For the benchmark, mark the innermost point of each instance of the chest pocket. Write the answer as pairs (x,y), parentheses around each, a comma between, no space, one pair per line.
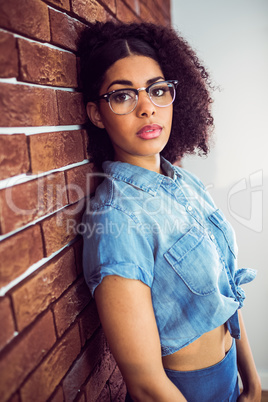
(195,259)
(218,219)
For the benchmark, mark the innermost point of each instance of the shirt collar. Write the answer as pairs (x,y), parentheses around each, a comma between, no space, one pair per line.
(144,179)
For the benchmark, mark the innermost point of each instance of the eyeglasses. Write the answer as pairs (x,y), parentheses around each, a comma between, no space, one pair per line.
(124,101)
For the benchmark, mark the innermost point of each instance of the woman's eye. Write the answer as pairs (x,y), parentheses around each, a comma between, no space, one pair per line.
(157,92)
(122,97)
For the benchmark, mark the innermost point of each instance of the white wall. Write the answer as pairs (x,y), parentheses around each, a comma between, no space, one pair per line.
(231,37)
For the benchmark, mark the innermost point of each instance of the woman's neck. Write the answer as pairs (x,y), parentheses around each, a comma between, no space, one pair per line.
(151,162)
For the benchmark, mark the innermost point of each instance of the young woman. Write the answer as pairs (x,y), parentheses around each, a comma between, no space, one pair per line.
(159,257)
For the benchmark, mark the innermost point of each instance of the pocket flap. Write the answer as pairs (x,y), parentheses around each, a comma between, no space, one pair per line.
(195,259)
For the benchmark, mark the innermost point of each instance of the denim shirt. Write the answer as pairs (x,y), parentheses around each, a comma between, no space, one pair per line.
(166,232)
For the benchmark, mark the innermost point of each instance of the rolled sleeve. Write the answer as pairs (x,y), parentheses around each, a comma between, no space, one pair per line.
(114,245)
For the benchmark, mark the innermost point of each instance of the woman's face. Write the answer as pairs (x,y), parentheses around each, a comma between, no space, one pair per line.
(143,133)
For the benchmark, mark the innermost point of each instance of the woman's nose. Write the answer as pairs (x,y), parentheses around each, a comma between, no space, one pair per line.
(145,107)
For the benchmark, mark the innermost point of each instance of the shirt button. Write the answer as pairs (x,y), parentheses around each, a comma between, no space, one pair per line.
(212,236)
(189,208)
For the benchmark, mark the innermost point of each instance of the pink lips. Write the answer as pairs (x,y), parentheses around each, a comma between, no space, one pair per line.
(149,131)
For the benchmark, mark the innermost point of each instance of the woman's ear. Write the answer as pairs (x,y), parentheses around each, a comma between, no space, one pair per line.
(94,114)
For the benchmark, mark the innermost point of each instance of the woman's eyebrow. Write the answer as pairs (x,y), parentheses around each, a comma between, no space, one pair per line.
(121,82)
(153,80)
(130,83)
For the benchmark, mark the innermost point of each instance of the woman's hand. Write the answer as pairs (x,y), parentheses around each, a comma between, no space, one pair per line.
(127,316)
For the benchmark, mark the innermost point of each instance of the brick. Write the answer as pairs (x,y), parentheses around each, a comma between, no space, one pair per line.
(157,3)
(110,17)
(71,108)
(85,142)
(104,395)
(114,390)
(121,396)
(115,383)
(81,398)
(65,31)
(23,105)
(53,150)
(58,396)
(7,322)
(29,17)
(14,398)
(146,14)
(153,9)
(78,252)
(150,5)
(80,182)
(135,5)
(35,295)
(64,4)
(90,10)
(48,375)
(89,321)
(165,6)
(28,201)
(163,18)
(28,350)
(124,13)
(95,387)
(110,4)
(8,56)
(60,228)
(14,157)
(84,366)
(19,252)
(41,64)
(70,305)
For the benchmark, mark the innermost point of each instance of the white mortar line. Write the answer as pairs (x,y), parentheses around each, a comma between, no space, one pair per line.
(32,269)
(38,41)
(38,129)
(30,84)
(24,178)
(32,223)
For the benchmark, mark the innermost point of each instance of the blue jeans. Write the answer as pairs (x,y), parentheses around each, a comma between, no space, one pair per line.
(217,383)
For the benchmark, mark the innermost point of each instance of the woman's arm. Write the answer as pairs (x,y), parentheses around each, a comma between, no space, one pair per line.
(127,316)
(246,366)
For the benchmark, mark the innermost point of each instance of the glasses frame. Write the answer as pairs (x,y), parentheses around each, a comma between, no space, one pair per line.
(107,95)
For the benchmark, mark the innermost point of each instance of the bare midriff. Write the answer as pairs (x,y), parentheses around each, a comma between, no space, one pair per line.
(206,351)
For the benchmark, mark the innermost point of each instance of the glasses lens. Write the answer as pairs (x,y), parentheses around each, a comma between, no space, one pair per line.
(162,94)
(123,101)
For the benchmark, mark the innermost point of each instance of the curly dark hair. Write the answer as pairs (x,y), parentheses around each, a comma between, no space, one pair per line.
(102,44)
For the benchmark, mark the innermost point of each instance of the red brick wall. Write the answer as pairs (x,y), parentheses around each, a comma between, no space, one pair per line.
(51,343)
